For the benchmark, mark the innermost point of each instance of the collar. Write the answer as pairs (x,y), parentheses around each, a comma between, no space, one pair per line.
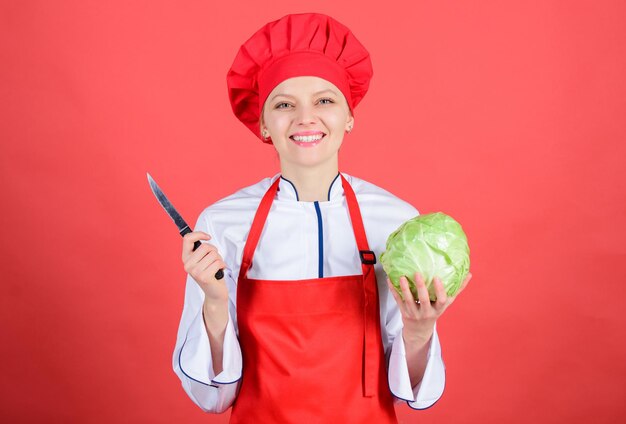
(287,190)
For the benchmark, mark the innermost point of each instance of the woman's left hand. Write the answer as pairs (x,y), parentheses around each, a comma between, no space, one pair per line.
(419,317)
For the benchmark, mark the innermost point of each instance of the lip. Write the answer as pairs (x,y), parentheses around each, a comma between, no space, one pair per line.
(307,143)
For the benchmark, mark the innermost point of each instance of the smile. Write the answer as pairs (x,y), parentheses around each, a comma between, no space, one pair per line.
(308,140)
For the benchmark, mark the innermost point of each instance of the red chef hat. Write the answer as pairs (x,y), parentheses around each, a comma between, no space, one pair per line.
(307,44)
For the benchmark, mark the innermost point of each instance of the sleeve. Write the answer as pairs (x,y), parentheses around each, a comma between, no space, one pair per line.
(431,387)
(192,360)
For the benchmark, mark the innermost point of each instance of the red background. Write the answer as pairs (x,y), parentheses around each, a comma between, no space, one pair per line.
(507,115)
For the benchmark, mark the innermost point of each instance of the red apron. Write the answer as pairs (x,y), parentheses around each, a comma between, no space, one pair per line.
(312,349)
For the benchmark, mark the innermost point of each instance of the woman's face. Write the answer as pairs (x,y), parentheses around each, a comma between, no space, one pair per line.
(306,117)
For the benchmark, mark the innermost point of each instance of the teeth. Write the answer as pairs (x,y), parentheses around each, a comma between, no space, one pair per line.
(307,138)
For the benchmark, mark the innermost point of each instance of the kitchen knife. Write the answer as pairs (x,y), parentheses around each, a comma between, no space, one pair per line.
(183,228)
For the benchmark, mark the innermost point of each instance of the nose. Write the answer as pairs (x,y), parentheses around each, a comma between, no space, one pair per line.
(305,115)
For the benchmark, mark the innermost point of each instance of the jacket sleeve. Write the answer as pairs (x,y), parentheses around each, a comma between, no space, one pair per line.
(431,387)
(192,359)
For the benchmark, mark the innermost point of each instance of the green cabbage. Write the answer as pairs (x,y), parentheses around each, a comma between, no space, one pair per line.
(433,245)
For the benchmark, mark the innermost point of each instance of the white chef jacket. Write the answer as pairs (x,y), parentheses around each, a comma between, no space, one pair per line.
(300,240)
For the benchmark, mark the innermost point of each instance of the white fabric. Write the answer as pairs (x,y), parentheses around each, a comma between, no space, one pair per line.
(289,250)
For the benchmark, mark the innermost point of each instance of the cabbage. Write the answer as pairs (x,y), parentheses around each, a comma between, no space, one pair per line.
(433,245)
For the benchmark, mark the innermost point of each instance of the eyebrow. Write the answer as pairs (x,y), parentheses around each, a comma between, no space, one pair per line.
(314,94)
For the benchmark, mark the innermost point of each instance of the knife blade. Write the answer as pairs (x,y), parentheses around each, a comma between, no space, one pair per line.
(183,228)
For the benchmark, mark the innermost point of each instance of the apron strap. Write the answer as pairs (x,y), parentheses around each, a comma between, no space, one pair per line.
(367,256)
(257,228)
(371,311)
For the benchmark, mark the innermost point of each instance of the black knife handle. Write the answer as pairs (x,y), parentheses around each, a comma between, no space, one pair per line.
(220,273)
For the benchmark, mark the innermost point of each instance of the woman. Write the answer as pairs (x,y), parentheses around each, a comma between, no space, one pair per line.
(304,326)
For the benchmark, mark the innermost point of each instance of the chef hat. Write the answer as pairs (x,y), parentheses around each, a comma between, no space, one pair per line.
(307,44)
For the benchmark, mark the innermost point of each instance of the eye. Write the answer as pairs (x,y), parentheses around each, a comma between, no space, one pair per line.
(282,105)
(326,101)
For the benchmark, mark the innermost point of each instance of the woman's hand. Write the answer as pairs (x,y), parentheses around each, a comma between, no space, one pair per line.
(202,264)
(419,317)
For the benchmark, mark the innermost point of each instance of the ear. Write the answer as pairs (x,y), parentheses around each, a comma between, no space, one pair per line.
(349,122)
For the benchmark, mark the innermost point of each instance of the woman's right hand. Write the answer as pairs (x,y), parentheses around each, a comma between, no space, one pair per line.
(202,264)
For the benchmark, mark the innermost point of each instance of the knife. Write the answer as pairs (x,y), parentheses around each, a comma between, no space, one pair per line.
(183,228)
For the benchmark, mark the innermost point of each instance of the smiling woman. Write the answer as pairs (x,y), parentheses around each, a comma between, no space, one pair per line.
(304,300)
(306,118)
